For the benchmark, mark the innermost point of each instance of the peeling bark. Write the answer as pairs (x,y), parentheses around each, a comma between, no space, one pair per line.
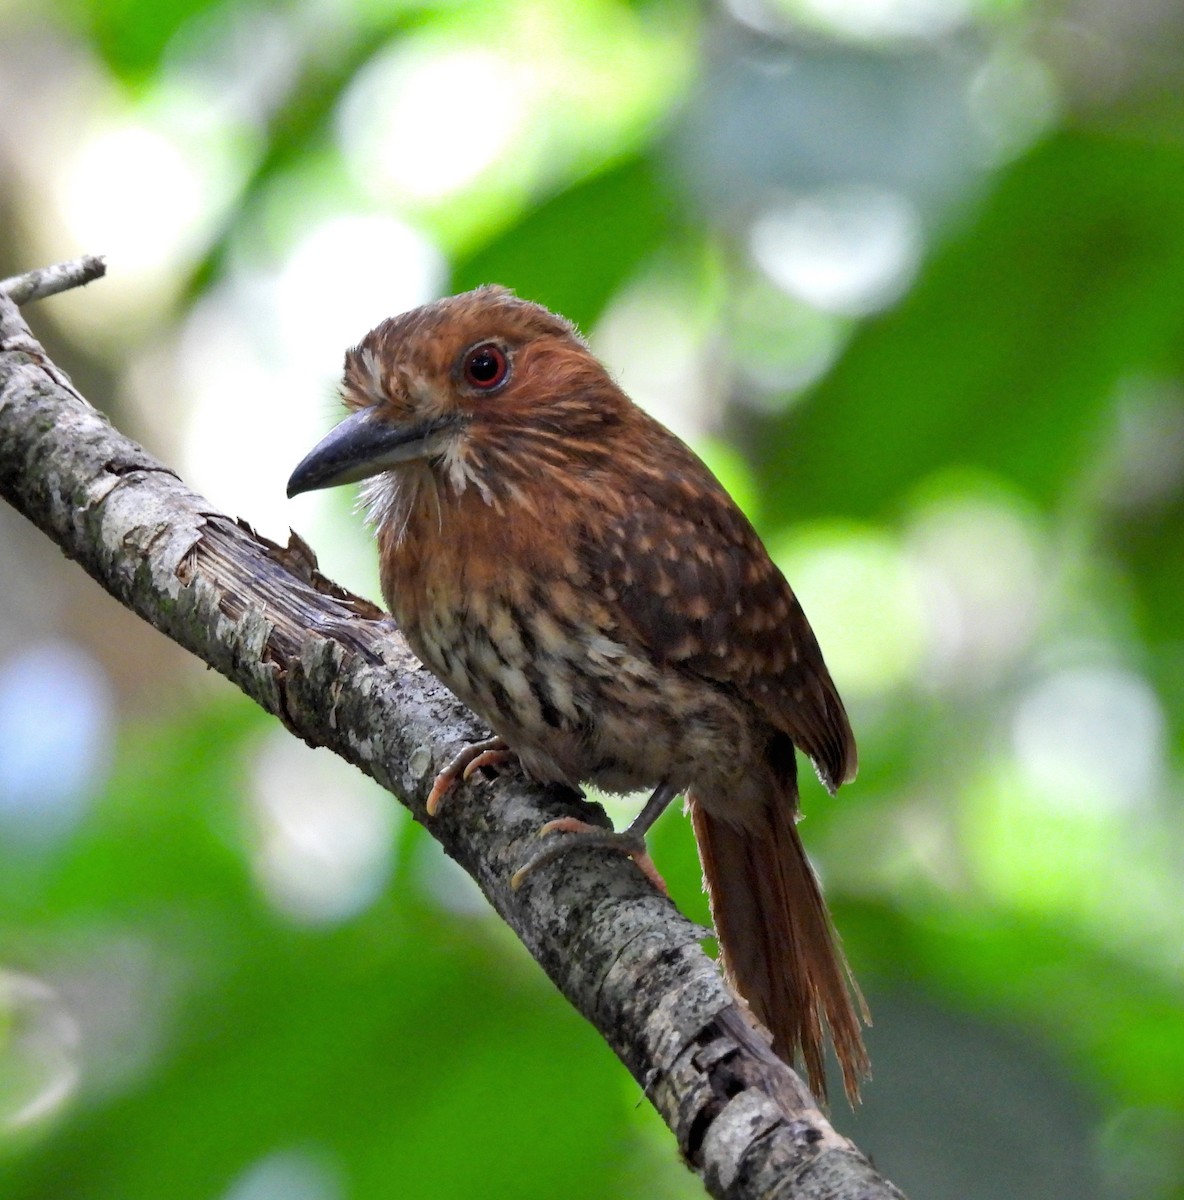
(337,672)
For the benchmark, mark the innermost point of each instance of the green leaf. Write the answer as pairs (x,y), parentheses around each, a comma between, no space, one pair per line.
(1006,353)
(574,251)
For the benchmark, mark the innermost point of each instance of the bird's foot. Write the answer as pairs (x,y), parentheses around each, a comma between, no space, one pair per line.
(590,837)
(490,753)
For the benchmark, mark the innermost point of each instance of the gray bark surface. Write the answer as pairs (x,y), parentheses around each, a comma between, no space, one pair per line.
(337,673)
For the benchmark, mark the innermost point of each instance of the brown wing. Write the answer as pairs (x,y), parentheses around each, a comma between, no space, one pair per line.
(694,584)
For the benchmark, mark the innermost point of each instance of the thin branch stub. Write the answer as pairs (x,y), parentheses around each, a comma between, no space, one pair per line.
(49,281)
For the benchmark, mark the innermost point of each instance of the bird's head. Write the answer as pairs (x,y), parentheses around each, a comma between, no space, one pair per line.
(479,387)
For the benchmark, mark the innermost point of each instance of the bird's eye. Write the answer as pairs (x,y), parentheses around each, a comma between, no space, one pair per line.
(486,367)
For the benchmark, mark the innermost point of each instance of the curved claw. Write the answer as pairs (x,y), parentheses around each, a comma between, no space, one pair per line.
(472,758)
(590,837)
(487,758)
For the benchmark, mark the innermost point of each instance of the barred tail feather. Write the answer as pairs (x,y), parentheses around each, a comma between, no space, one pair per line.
(778,947)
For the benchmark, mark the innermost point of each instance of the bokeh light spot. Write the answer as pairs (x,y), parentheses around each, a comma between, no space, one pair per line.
(261,355)
(292,1174)
(135,194)
(55,717)
(652,340)
(1013,100)
(410,123)
(862,600)
(38,1051)
(881,19)
(982,562)
(1091,736)
(847,250)
(324,833)
(380,267)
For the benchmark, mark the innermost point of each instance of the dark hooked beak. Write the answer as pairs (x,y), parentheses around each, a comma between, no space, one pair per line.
(364,444)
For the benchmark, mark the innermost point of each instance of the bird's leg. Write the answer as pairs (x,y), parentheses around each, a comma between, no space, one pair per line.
(490,753)
(592,837)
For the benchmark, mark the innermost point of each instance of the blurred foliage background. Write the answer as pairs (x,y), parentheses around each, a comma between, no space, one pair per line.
(909,273)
